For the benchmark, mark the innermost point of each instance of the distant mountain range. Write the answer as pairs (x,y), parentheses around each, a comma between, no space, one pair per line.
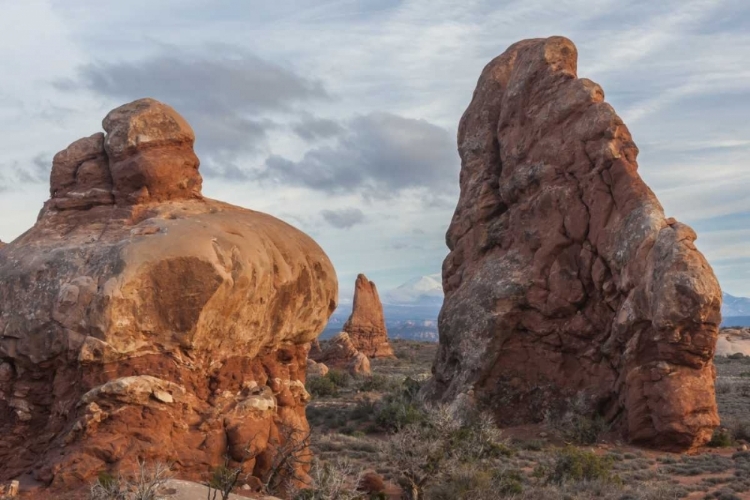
(735,306)
(735,311)
(423,291)
(411,310)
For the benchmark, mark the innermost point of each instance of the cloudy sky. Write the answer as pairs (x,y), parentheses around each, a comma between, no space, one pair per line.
(340,116)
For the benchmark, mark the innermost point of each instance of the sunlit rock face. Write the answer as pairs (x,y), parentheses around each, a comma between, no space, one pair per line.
(366,324)
(563,274)
(140,319)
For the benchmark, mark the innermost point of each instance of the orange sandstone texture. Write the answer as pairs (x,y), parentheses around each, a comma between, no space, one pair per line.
(141,320)
(366,325)
(564,274)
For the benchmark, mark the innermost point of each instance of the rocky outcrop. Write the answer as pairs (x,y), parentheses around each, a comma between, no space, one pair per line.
(340,353)
(564,276)
(315,351)
(366,325)
(140,320)
(733,341)
(316,369)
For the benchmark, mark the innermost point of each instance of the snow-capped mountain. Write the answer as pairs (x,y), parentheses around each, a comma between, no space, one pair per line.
(410,310)
(423,290)
(735,306)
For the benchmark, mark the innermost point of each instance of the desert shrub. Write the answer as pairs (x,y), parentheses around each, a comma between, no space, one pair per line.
(107,487)
(144,483)
(598,490)
(475,438)
(223,480)
(572,464)
(459,454)
(739,429)
(472,482)
(321,387)
(339,378)
(400,407)
(578,422)
(364,410)
(149,480)
(394,414)
(530,445)
(745,374)
(721,438)
(376,382)
(334,480)
(724,386)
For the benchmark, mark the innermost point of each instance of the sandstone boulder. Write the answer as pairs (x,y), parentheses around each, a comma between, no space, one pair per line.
(733,341)
(564,276)
(140,320)
(366,325)
(316,369)
(340,353)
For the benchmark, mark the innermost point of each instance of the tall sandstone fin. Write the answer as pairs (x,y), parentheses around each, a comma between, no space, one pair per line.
(366,324)
(564,276)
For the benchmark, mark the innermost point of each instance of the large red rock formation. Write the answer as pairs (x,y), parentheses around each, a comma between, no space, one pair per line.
(366,325)
(564,274)
(140,320)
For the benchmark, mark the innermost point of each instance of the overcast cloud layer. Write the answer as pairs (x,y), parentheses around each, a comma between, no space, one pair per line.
(340,116)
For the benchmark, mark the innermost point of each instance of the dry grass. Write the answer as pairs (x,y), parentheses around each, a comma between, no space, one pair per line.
(354,425)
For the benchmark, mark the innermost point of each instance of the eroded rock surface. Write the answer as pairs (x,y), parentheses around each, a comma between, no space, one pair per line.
(340,352)
(366,324)
(140,320)
(564,274)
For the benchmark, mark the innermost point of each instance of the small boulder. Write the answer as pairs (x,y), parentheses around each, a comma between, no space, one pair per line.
(340,353)
(316,369)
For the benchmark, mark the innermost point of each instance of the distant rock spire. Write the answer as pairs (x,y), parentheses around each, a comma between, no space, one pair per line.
(366,325)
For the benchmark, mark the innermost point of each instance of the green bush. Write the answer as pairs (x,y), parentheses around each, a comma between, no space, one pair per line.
(396,413)
(740,429)
(363,411)
(721,438)
(376,382)
(321,387)
(338,378)
(578,423)
(574,464)
(329,384)
(472,483)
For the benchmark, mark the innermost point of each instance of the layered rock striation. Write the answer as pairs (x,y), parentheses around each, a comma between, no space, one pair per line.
(366,324)
(141,320)
(564,276)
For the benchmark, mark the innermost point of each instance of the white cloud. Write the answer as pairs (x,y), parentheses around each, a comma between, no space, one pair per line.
(675,70)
